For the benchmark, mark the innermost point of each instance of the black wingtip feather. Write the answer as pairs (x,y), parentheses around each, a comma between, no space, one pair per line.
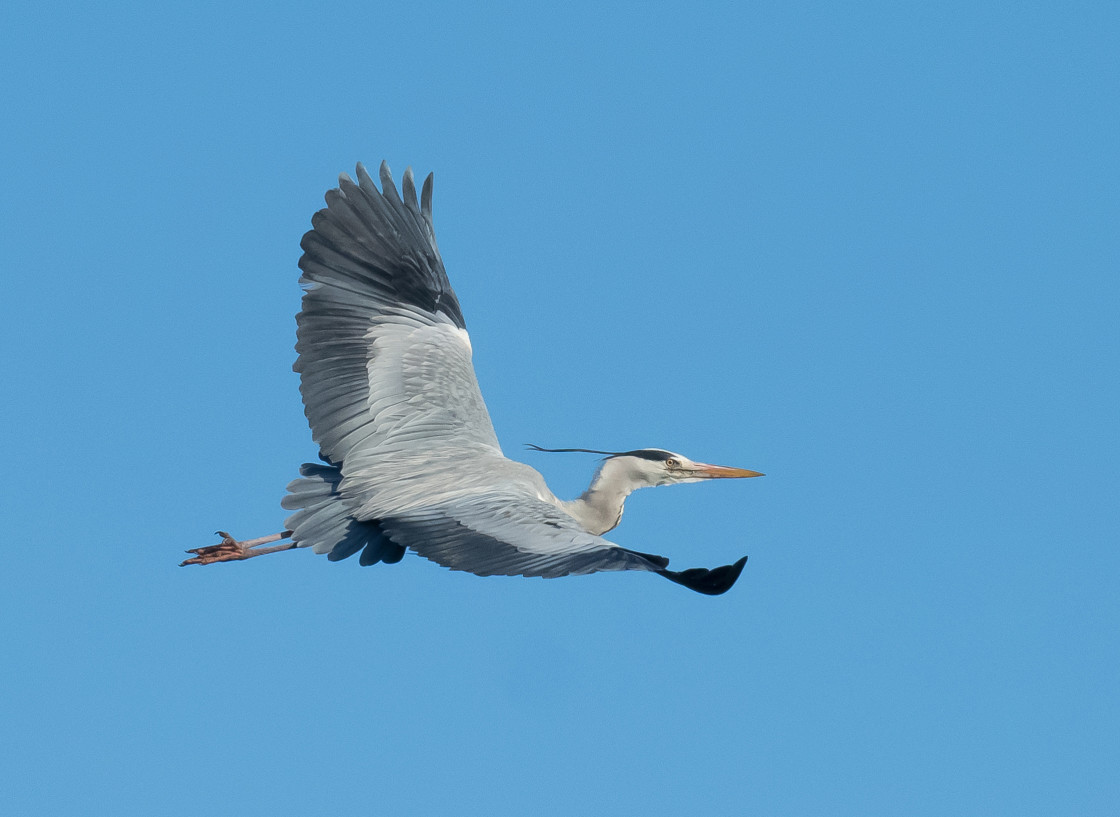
(388,186)
(408,185)
(365,181)
(426,197)
(709,582)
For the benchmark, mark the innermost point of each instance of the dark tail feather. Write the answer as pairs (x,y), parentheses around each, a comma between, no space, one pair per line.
(381,550)
(709,582)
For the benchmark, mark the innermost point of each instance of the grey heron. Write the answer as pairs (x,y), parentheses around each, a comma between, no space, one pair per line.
(409,456)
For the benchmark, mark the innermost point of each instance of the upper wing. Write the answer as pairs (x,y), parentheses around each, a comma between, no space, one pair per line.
(384,357)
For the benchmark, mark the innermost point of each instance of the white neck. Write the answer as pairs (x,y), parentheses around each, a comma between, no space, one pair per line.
(599,508)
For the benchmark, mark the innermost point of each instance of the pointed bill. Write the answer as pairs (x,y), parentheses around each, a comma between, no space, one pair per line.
(723,472)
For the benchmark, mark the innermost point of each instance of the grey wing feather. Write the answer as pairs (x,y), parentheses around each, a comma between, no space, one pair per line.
(384,357)
(508,534)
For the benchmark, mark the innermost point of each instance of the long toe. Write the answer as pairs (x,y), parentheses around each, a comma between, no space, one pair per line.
(227,551)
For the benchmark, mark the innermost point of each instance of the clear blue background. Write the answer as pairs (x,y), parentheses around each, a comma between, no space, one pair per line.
(868,248)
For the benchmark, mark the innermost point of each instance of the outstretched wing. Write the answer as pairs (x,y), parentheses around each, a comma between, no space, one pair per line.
(502,533)
(384,356)
(507,534)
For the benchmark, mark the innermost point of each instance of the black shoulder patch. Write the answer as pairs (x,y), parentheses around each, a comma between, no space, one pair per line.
(655,454)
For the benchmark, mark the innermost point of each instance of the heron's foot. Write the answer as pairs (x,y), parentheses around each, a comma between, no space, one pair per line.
(231,550)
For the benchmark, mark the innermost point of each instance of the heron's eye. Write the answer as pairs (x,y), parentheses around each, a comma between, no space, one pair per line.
(672,462)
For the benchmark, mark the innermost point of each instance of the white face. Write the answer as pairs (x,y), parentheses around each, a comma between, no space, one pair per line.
(656,466)
(680,468)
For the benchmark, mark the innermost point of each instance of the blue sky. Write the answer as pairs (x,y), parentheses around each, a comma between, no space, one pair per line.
(868,248)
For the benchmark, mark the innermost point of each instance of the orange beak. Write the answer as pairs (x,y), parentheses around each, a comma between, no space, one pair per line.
(723,472)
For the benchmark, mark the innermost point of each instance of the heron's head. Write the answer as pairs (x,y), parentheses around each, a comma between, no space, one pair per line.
(647,467)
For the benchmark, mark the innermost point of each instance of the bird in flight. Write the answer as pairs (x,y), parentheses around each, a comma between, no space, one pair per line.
(409,456)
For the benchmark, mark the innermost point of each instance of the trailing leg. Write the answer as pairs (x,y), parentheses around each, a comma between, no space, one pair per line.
(230,550)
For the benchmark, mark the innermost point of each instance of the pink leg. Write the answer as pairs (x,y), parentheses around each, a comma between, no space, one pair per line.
(230,550)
